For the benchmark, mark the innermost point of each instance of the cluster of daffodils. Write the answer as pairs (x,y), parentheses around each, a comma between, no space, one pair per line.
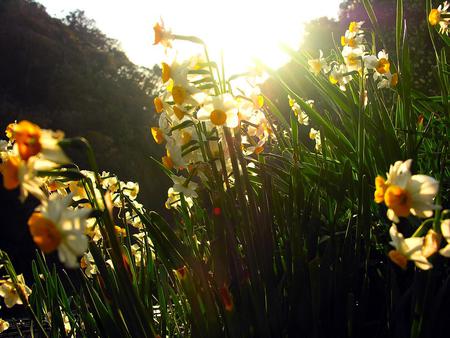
(303,119)
(197,109)
(54,225)
(405,194)
(440,16)
(62,221)
(357,59)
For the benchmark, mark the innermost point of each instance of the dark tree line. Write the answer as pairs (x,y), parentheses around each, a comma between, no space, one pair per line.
(66,74)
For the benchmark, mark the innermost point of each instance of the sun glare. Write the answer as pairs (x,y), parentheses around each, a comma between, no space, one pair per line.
(240,30)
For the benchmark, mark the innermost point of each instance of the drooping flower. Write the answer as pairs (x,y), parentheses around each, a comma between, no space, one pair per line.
(404,193)
(56,226)
(9,291)
(407,249)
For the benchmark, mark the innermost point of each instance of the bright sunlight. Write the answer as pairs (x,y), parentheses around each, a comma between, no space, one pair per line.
(242,30)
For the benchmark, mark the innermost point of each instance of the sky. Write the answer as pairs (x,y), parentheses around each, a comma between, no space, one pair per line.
(241,30)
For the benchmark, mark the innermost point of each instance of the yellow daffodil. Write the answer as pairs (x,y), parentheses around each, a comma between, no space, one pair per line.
(407,249)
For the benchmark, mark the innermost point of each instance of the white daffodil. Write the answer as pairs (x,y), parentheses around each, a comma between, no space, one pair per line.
(319,65)
(388,80)
(355,27)
(174,199)
(315,135)
(380,64)
(298,111)
(56,226)
(353,58)
(181,186)
(87,263)
(352,39)
(130,189)
(407,249)
(31,140)
(10,293)
(163,36)
(445,229)
(405,193)
(339,75)
(436,16)
(221,110)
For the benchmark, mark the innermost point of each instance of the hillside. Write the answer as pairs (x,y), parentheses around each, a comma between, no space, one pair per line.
(66,74)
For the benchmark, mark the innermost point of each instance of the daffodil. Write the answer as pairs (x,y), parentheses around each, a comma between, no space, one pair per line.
(32,140)
(10,291)
(221,110)
(319,65)
(174,199)
(56,226)
(388,80)
(407,249)
(18,173)
(181,185)
(163,36)
(315,135)
(87,263)
(298,111)
(445,229)
(355,27)
(406,194)
(353,58)
(4,325)
(439,16)
(339,75)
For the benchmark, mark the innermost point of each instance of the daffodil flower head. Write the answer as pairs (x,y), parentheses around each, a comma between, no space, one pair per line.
(221,110)
(406,194)
(435,16)
(407,249)
(319,65)
(56,226)
(8,290)
(163,36)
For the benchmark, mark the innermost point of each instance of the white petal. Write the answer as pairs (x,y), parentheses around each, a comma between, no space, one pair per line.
(445,228)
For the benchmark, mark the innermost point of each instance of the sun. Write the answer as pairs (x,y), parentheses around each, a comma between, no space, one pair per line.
(240,30)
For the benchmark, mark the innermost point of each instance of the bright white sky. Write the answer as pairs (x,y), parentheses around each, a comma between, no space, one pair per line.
(242,29)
